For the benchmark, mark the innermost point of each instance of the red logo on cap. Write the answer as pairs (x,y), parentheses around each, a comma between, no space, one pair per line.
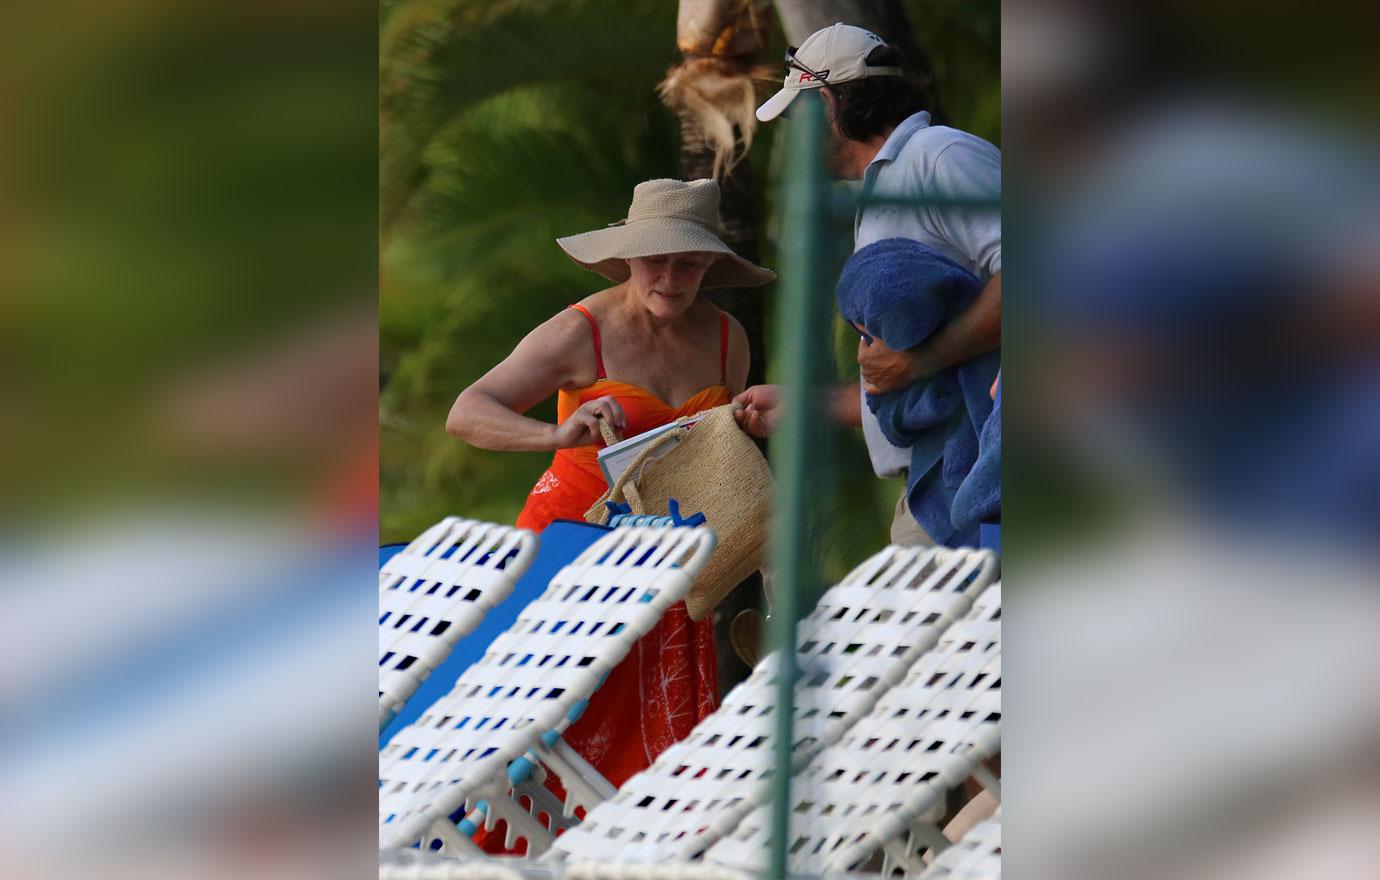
(806,77)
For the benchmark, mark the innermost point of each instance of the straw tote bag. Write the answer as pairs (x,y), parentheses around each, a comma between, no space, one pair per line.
(713,468)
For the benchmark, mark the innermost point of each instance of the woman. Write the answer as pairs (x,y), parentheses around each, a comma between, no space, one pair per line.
(639,354)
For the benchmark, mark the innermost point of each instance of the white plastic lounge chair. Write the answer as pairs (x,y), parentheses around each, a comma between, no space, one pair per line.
(884,784)
(863,637)
(562,645)
(413,865)
(435,592)
(410,864)
(976,857)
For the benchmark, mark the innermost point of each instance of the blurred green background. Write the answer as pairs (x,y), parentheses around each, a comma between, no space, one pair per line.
(507,124)
(186,216)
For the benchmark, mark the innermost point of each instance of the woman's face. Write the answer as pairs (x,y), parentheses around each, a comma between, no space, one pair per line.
(667,284)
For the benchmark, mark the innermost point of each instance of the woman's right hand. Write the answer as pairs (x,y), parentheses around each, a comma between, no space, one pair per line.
(582,428)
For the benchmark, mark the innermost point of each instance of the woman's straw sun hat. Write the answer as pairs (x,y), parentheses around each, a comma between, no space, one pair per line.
(666,217)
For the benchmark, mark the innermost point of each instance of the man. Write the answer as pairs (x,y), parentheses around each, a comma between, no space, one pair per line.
(880,133)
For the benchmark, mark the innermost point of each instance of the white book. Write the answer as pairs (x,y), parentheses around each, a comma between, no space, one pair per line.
(613,460)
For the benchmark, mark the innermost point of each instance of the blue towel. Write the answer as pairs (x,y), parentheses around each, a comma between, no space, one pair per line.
(978,499)
(902,292)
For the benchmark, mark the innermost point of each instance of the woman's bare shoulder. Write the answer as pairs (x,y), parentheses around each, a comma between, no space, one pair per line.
(600,303)
(563,346)
(561,335)
(739,354)
(737,334)
(735,327)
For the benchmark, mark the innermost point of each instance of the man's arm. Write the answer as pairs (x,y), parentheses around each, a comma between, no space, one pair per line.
(974,331)
(966,168)
(845,405)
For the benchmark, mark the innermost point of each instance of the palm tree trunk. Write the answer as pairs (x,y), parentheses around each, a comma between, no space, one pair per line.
(738,215)
(723,46)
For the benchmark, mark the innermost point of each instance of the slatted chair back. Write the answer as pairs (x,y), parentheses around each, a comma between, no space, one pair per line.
(556,653)
(862,637)
(435,592)
(881,787)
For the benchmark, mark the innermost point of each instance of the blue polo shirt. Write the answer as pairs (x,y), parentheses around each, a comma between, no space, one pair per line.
(923,159)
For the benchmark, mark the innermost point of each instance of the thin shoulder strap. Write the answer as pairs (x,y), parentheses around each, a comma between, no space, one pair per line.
(598,349)
(723,348)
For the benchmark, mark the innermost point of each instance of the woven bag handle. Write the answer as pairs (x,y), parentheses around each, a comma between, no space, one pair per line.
(610,435)
(626,485)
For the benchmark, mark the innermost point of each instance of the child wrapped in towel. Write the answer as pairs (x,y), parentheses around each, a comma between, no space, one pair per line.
(901,291)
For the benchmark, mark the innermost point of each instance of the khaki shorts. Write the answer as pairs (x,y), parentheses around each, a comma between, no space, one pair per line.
(905,531)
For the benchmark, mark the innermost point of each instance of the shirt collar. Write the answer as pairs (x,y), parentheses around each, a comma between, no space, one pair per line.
(902,133)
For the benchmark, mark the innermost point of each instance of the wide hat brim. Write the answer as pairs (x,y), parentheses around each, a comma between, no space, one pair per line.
(606,250)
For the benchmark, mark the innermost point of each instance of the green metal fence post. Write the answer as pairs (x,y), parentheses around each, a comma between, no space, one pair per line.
(803,317)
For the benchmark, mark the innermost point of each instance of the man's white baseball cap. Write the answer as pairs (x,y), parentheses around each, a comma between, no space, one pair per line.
(834,54)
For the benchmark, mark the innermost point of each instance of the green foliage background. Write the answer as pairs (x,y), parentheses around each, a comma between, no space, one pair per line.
(505,123)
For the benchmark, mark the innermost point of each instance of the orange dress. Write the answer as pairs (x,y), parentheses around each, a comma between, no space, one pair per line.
(669,681)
